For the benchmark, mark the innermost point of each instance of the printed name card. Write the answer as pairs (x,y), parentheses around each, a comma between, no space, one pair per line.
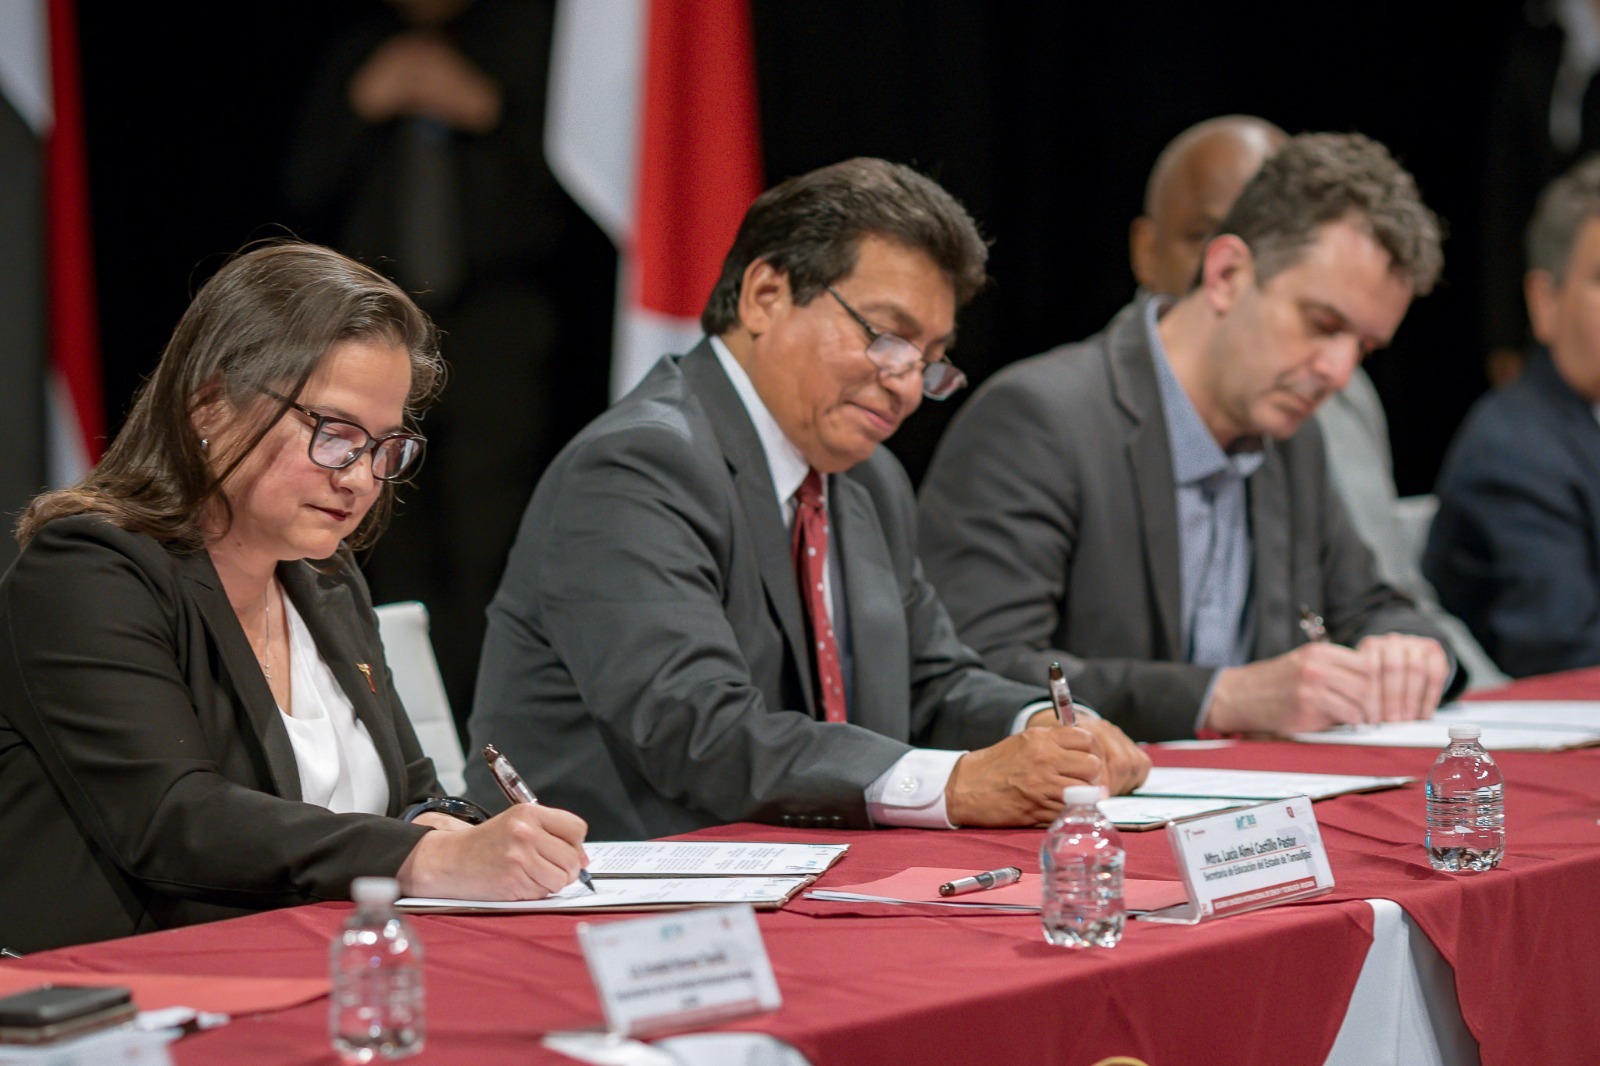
(679,970)
(1246,859)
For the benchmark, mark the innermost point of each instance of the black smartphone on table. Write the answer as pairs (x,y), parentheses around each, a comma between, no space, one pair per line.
(55,1012)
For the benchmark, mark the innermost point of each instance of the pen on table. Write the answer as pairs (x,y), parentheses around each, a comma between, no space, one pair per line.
(1006,875)
(1061,696)
(1311,625)
(517,791)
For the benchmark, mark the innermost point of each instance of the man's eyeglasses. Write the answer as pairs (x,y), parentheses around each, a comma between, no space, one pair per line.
(894,355)
(338,442)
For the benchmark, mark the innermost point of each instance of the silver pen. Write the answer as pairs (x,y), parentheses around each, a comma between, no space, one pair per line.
(1312,626)
(1006,875)
(517,791)
(1061,696)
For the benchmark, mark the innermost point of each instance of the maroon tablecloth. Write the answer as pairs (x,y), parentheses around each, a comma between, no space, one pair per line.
(906,986)
(1523,939)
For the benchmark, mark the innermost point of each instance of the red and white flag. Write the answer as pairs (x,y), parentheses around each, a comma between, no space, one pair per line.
(39,78)
(652,127)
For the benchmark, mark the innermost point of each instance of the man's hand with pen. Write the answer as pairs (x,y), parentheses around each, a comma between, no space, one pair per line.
(1392,677)
(1124,765)
(1019,780)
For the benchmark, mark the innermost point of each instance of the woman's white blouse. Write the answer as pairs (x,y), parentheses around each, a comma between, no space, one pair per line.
(339,766)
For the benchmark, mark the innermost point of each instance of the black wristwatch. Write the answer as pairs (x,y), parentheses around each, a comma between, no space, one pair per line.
(455,807)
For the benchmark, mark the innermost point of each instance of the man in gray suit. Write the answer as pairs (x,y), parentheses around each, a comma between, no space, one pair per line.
(1194,182)
(1144,499)
(652,661)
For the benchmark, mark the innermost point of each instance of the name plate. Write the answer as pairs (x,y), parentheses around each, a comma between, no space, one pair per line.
(679,970)
(1246,859)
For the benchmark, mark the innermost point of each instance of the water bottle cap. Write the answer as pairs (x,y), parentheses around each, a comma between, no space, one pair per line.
(374,890)
(1080,794)
(1466,731)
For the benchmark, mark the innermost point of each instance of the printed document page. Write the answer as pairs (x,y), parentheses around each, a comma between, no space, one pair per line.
(629,894)
(1257,784)
(697,858)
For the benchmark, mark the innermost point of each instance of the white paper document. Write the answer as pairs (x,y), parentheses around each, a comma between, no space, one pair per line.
(628,894)
(1153,812)
(1508,725)
(1435,733)
(1256,784)
(1573,714)
(695,858)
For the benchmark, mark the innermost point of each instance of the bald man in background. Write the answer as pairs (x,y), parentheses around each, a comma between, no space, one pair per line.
(1194,182)
(1196,178)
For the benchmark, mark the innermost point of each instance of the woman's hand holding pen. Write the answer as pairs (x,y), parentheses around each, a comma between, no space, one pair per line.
(527,851)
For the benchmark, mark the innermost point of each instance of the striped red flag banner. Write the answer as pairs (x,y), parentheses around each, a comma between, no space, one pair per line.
(77,405)
(653,129)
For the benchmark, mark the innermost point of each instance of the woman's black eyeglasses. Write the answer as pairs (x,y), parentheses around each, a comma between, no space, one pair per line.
(338,442)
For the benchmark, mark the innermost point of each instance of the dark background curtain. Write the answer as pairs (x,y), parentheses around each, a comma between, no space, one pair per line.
(1043,118)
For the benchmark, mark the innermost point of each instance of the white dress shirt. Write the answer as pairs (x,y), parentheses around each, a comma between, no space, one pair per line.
(911,792)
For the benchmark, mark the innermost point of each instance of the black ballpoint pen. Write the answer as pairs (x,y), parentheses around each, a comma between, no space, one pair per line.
(517,791)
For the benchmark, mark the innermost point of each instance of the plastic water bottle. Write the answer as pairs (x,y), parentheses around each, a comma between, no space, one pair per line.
(1082,860)
(1466,806)
(376,1003)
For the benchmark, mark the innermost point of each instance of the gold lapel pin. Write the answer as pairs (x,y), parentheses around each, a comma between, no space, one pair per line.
(367,671)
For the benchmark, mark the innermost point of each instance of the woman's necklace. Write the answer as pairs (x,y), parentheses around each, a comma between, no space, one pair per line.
(266,627)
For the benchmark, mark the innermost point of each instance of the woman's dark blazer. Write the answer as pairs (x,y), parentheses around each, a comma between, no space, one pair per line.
(146,777)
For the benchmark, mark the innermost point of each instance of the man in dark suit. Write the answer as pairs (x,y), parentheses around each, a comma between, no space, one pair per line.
(714,610)
(1515,548)
(1143,507)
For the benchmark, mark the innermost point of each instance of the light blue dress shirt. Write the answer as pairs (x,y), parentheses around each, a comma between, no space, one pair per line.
(1215,552)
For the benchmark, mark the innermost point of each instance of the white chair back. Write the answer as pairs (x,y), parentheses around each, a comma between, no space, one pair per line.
(1413,515)
(404,628)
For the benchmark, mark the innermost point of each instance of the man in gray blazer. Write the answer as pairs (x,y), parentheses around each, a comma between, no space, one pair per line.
(652,662)
(1193,183)
(1144,501)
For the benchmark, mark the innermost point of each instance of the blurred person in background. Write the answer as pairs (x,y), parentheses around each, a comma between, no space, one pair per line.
(420,149)
(1515,547)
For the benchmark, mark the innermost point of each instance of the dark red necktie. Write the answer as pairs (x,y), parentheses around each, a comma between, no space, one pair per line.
(810,561)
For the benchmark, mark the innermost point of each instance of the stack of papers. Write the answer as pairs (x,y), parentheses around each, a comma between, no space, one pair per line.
(1171,794)
(628,894)
(1258,785)
(695,858)
(655,875)
(1508,725)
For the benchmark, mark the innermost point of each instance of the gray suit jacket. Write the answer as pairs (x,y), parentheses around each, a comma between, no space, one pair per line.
(646,663)
(146,777)
(1049,526)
